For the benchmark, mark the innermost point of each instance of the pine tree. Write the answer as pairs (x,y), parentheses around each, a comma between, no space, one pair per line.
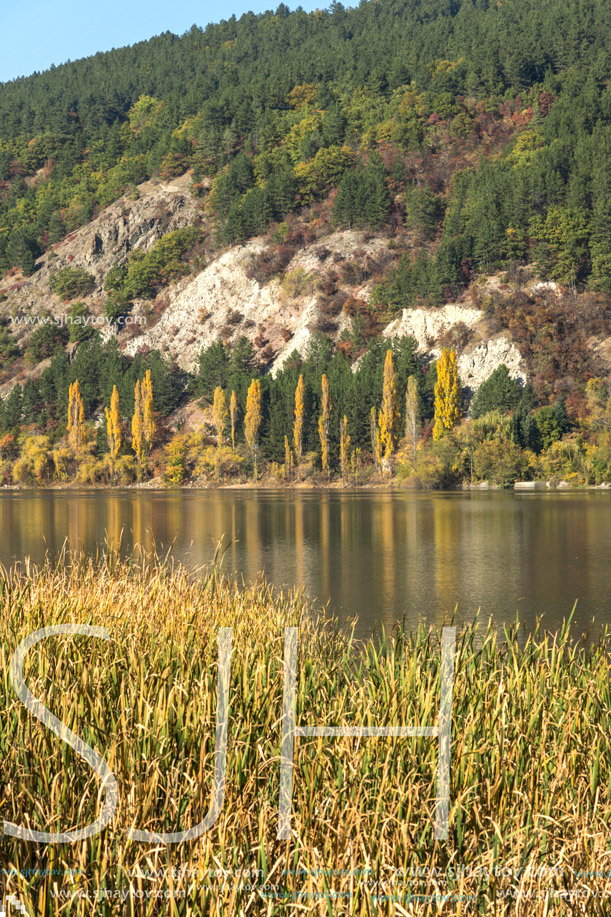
(344,448)
(113,429)
(219,414)
(252,420)
(412,415)
(137,425)
(389,412)
(447,394)
(323,424)
(233,411)
(76,417)
(299,416)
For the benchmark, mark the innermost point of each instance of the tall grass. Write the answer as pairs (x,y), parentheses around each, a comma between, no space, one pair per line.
(530,768)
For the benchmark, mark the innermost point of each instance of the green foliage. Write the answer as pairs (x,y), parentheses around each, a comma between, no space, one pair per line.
(49,337)
(71,282)
(147,272)
(79,328)
(433,82)
(363,198)
(9,349)
(499,392)
(552,423)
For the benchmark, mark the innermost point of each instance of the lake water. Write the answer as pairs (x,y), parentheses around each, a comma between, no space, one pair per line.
(379,555)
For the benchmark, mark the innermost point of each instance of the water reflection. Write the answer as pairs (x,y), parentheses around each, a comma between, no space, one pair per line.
(378,555)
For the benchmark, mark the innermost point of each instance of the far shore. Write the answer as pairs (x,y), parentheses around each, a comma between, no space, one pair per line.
(301,486)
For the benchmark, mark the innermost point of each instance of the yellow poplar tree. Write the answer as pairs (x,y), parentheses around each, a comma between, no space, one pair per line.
(233,413)
(323,424)
(344,448)
(219,414)
(298,427)
(447,394)
(113,428)
(252,419)
(76,417)
(137,425)
(148,416)
(376,439)
(389,412)
(412,414)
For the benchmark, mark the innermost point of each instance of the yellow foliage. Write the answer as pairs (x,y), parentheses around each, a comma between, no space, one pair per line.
(32,466)
(299,415)
(233,411)
(252,419)
(76,417)
(302,95)
(219,414)
(137,432)
(447,394)
(344,448)
(113,428)
(323,423)
(389,412)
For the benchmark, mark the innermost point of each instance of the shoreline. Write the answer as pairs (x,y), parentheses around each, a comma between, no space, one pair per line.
(390,487)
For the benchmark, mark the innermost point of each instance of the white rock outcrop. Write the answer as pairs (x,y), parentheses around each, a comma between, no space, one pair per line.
(479,358)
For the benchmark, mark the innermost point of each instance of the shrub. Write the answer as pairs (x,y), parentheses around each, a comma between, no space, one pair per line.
(71,282)
(48,338)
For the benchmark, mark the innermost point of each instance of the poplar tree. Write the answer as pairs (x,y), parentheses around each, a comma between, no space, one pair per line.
(76,417)
(233,412)
(252,419)
(447,394)
(412,414)
(298,426)
(344,448)
(288,459)
(113,429)
(219,414)
(323,424)
(376,440)
(389,412)
(137,424)
(148,416)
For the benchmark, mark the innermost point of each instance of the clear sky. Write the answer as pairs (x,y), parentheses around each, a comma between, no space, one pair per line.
(35,34)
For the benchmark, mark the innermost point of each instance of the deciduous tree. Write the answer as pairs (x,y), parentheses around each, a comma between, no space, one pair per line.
(447,394)
(76,417)
(323,423)
(252,420)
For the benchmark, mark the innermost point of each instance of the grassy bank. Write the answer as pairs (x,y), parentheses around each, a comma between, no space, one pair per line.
(530,767)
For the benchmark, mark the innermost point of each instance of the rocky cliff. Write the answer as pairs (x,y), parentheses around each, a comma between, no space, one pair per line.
(321,285)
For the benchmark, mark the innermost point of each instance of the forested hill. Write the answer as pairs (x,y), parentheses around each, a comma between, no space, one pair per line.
(283,107)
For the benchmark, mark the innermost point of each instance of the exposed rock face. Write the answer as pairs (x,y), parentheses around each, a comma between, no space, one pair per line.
(225,300)
(107,240)
(478,359)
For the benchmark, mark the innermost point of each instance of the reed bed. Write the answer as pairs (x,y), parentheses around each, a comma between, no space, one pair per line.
(530,763)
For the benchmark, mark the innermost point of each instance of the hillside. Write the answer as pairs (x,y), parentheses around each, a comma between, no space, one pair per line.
(285,194)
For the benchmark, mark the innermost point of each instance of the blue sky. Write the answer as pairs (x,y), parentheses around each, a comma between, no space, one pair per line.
(38,33)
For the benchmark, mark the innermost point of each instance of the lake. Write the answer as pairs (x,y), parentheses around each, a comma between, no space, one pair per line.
(376,554)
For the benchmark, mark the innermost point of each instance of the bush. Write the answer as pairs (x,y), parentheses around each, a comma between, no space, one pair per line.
(48,338)
(499,462)
(71,282)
